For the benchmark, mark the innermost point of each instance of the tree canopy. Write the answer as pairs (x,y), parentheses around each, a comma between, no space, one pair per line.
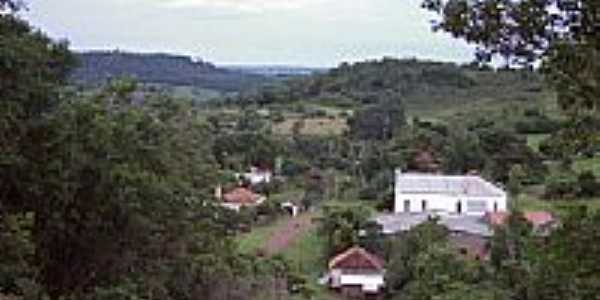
(562,35)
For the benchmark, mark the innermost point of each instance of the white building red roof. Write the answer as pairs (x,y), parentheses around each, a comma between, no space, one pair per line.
(356,258)
(242,196)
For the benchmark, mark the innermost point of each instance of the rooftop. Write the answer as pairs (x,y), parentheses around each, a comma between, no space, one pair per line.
(393,223)
(535,218)
(356,258)
(241,195)
(456,185)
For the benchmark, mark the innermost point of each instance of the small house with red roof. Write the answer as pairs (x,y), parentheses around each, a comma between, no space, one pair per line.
(357,273)
(241,197)
(541,221)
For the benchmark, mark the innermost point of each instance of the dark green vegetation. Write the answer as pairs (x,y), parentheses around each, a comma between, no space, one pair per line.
(104,197)
(562,35)
(96,68)
(107,194)
(422,265)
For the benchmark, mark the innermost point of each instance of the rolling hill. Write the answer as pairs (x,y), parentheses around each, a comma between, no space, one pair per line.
(164,69)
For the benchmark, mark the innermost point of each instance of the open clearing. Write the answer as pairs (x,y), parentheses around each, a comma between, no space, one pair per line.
(312,126)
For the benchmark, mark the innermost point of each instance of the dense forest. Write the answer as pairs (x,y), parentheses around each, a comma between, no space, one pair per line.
(98,67)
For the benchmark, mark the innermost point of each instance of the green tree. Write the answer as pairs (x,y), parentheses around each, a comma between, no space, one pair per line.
(562,34)
(380,121)
(342,226)
(515,180)
(440,274)
(405,251)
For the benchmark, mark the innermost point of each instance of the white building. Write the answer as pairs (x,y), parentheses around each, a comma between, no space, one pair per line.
(257,176)
(356,272)
(446,194)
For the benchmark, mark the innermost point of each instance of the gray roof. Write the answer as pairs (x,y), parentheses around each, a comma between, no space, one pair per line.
(446,185)
(393,223)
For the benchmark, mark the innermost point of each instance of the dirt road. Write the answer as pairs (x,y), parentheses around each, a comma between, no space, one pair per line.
(286,234)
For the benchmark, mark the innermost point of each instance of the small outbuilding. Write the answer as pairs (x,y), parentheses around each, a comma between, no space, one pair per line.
(357,273)
(241,197)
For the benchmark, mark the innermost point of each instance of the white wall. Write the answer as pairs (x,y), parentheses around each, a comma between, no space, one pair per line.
(369,282)
(447,203)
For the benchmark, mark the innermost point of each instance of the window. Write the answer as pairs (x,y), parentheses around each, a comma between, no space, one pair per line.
(476,206)
(406,205)
(424,205)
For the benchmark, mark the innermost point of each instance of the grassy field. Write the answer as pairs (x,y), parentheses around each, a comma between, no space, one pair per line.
(534,140)
(530,202)
(587,164)
(312,126)
(306,257)
(254,240)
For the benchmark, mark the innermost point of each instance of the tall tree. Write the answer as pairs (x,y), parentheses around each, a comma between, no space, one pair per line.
(561,34)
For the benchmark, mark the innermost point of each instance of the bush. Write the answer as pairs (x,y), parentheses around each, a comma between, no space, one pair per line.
(277,117)
(561,186)
(588,185)
(537,125)
(368,193)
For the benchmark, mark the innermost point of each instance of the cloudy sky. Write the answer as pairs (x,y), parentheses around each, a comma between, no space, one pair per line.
(292,32)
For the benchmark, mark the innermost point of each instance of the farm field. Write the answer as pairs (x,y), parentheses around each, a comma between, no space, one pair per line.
(322,126)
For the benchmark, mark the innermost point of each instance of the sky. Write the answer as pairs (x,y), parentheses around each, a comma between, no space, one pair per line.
(316,33)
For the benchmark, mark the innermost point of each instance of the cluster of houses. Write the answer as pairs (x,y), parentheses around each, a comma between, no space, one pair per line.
(243,195)
(468,206)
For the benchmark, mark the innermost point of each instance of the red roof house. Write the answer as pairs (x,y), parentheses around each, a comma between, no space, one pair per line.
(241,196)
(497,218)
(356,273)
(541,221)
(538,218)
(356,258)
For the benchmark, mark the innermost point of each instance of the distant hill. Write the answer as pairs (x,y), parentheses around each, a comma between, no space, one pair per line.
(275,70)
(424,87)
(175,70)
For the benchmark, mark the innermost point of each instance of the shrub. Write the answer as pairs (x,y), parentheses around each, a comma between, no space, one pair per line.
(537,125)
(588,185)
(561,186)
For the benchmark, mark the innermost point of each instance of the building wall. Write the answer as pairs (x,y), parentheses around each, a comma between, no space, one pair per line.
(419,203)
(367,281)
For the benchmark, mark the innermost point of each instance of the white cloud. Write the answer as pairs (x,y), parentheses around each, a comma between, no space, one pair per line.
(245,5)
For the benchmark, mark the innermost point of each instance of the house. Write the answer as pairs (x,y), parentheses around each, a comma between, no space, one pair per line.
(291,207)
(542,222)
(258,175)
(357,273)
(446,194)
(241,197)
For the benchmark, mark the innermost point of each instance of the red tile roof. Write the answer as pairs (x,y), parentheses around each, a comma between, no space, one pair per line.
(535,218)
(496,218)
(538,218)
(241,195)
(356,258)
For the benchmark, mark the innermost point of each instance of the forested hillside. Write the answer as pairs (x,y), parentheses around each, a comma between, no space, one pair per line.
(423,85)
(97,67)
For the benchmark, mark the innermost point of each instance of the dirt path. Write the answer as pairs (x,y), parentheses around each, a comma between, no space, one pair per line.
(287,233)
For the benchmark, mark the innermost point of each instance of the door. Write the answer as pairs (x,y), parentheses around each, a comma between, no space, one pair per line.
(406,205)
